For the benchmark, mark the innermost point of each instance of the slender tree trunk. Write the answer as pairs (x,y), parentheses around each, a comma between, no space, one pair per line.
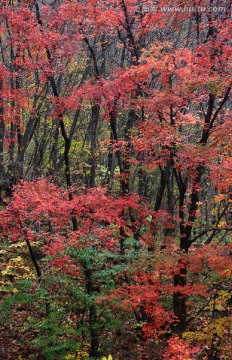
(94,333)
(179,300)
(94,133)
(2,134)
(169,178)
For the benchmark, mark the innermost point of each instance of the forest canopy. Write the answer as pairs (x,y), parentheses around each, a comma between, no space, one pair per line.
(115,179)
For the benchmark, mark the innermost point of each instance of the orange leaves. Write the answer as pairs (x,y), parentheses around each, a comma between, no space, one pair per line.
(41,211)
(178,349)
(212,257)
(40,207)
(145,298)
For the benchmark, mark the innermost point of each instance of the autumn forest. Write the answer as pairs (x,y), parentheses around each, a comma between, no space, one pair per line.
(115,179)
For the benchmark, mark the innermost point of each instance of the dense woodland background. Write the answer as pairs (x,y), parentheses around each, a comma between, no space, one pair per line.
(115,179)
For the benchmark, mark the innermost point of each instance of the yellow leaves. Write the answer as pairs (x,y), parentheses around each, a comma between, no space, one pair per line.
(17,269)
(18,245)
(107,358)
(220,301)
(214,331)
(14,290)
(217,329)
(5,287)
(70,357)
(82,355)
(14,267)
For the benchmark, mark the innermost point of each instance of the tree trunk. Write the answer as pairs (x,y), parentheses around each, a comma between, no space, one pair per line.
(179,301)
(93,135)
